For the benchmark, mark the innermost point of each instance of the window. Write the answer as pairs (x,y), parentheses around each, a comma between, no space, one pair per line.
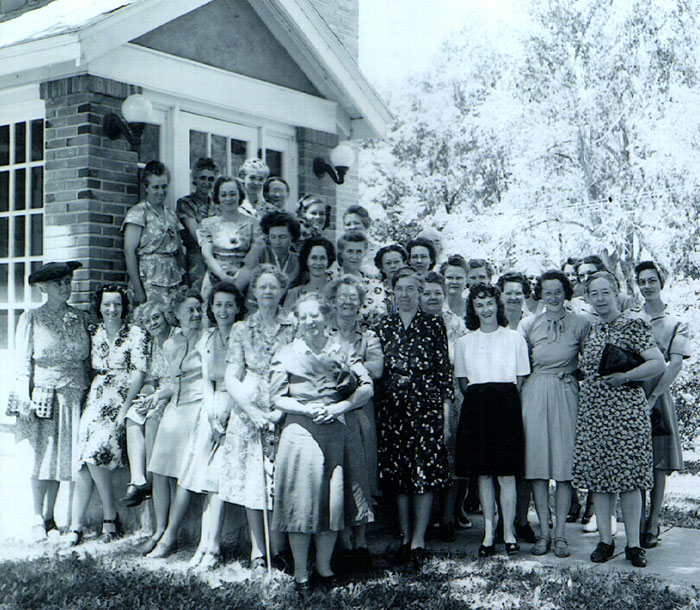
(21,219)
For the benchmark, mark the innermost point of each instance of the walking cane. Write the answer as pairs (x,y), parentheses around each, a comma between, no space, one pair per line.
(266,525)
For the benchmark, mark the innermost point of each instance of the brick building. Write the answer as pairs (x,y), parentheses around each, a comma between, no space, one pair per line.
(229,79)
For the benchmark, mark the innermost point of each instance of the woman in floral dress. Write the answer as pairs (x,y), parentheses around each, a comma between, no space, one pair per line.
(413,404)
(251,437)
(52,350)
(119,359)
(613,451)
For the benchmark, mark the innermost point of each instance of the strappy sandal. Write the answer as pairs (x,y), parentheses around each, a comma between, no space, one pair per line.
(561,547)
(108,537)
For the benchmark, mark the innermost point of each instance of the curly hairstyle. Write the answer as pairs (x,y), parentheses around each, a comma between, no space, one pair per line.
(480,263)
(220,181)
(308,297)
(454,260)
(269,181)
(264,268)
(433,277)
(205,164)
(592,259)
(425,243)
(227,288)
(379,256)
(305,251)
(606,275)
(349,237)
(572,260)
(650,266)
(484,291)
(306,201)
(154,168)
(178,298)
(253,165)
(553,274)
(517,277)
(99,293)
(278,218)
(360,211)
(347,280)
(142,314)
(407,271)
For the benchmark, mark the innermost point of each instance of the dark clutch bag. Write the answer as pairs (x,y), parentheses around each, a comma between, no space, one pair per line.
(346,384)
(619,360)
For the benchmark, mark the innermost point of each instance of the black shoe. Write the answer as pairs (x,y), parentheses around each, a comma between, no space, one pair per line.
(637,556)
(603,552)
(487,551)
(283,562)
(525,533)
(574,512)
(49,525)
(303,589)
(447,532)
(512,548)
(418,556)
(135,494)
(324,582)
(404,554)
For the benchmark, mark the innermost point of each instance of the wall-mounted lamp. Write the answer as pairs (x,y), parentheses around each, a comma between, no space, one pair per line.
(342,157)
(136,110)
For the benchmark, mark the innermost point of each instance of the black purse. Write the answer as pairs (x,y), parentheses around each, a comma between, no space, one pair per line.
(615,359)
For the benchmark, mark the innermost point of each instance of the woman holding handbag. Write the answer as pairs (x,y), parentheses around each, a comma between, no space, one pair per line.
(612,453)
(671,336)
(52,350)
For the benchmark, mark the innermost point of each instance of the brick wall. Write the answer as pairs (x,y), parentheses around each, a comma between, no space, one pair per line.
(90,180)
(342,17)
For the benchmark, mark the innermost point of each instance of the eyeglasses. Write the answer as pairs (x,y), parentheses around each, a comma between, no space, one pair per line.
(207,178)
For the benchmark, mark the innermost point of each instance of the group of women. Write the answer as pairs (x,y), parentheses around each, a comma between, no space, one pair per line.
(302,413)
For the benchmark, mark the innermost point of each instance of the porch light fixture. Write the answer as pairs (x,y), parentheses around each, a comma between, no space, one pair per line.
(342,157)
(136,110)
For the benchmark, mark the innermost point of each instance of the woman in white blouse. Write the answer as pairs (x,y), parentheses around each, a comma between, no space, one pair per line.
(491,363)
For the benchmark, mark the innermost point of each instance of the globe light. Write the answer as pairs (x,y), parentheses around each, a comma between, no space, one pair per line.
(342,156)
(137,109)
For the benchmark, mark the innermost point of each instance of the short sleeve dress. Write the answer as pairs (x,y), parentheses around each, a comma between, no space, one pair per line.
(52,351)
(490,430)
(550,394)
(613,450)
(671,335)
(409,399)
(99,440)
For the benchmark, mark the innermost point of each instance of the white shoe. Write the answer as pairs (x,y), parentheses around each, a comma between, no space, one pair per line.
(591,527)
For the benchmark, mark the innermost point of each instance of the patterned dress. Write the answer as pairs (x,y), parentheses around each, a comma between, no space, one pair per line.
(671,335)
(157,370)
(159,269)
(99,440)
(310,489)
(613,434)
(245,453)
(417,380)
(190,207)
(52,351)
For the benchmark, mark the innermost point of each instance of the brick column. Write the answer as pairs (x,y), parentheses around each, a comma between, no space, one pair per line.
(90,180)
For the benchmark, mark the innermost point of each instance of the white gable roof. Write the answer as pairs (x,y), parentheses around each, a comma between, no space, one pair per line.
(58,38)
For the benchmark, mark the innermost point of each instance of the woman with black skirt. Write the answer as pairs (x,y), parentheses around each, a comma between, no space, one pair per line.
(491,363)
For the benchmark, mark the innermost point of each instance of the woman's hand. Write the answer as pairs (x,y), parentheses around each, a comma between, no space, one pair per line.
(329,413)
(258,418)
(121,419)
(275,416)
(651,402)
(616,379)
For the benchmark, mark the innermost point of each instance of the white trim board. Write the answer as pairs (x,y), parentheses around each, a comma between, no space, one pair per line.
(204,84)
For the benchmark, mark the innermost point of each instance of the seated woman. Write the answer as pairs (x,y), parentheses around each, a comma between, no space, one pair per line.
(314,216)
(52,348)
(491,363)
(413,399)
(119,358)
(191,210)
(152,249)
(309,471)
(226,238)
(143,417)
(671,336)
(276,192)
(613,450)
(316,255)
(253,174)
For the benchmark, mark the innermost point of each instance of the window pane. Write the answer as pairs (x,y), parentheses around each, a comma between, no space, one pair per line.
(3,329)
(4,191)
(4,278)
(17,313)
(4,238)
(239,150)
(20,142)
(20,222)
(4,144)
(37,140)
(273,158)
(37,187)
(20,189)
(218,152)
(19,282)
(34,289)
(37,235)
(198,146)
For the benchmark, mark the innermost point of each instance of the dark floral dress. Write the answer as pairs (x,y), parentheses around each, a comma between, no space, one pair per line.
(99,442)
(417,380)
(613,450)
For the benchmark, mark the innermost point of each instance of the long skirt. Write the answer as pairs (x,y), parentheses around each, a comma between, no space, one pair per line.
(490,433)
(668,454)
(309,477)
(174,431)
(358,499)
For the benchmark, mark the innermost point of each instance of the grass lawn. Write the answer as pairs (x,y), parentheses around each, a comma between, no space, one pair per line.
(117,579)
